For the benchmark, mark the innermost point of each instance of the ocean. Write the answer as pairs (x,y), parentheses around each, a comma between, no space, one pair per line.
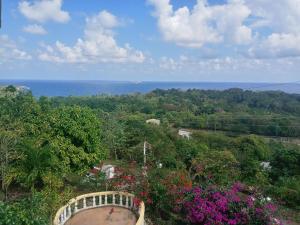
(85,88)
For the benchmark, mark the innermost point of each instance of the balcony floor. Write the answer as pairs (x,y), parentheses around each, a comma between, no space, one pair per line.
(100,216)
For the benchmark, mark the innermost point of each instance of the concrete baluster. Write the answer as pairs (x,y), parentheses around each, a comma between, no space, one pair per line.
(121,200)
(127,206)
(84,203)
(94,201)
(69,211)
(114,199)
(131,201)
(76,207)
(65,214)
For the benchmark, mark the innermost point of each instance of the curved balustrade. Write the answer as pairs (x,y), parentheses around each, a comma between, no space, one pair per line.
(96,200)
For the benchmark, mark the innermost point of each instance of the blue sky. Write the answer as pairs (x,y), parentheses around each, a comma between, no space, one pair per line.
(151,40)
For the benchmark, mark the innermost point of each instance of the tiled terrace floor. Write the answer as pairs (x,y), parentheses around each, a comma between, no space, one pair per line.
(102,216)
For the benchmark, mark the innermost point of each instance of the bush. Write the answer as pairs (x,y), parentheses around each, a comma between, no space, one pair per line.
(28,211)
(288,190)
(215,206)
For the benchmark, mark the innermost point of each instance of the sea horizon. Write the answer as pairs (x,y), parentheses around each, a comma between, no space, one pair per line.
(52,88)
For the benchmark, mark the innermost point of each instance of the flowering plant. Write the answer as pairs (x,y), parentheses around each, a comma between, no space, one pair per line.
(134,181)
(212,206)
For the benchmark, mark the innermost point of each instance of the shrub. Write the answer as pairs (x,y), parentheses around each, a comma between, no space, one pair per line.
(30,211)
(288,190)
(213,206)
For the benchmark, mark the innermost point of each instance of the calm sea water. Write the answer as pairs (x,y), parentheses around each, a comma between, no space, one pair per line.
(80,88)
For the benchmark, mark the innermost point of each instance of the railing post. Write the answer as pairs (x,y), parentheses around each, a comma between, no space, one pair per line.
(84,203)
(94,201)
(100,200)
(121,200)
(105,199)
(76,207)
(62,217)
(114,199)
(127,201)
(69,211)
(65,214)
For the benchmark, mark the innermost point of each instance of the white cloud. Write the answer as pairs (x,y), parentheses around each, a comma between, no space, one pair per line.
(105,19)
(277,45)
(282,16)
(9,50)
(97,45)
(44,10)
(204,23)
(35,29)
(167,63)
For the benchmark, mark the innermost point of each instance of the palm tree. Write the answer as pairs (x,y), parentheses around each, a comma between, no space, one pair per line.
(36,165)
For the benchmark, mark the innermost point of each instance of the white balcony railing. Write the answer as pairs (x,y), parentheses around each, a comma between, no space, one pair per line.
(96,200)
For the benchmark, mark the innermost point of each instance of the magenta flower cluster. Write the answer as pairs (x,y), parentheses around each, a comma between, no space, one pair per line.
(211,206)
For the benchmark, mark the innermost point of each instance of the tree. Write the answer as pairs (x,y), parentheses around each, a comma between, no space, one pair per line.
(11,88)
(250,152)
(8,154)
(285,161)
(114,136)
(38,166)
(75,134)
(218,167)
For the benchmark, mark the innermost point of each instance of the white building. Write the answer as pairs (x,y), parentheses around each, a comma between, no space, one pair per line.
(185,133)
(108,170)
(153,121)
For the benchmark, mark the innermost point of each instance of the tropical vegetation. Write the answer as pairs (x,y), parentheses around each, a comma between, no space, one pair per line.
(240,166)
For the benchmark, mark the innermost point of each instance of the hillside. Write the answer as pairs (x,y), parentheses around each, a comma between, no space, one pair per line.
(235,151)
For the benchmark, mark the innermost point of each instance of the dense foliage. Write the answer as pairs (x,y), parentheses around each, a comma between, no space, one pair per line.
(212,206)
(266,113)
(48,144)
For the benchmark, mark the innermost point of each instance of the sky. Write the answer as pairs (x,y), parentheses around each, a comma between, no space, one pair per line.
(151,40)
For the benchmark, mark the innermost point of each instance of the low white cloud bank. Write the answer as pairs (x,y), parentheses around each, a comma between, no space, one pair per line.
(44,10)
(235,69)
(9,50)
(35,29)
(97,45)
